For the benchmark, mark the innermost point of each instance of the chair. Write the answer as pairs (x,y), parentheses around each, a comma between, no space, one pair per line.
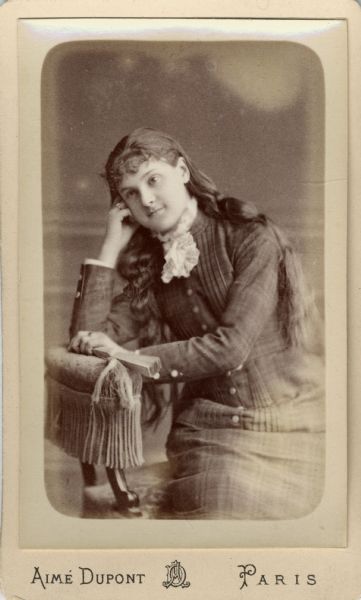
(95,433)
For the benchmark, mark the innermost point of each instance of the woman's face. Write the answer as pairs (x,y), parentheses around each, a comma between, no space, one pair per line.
(156,195)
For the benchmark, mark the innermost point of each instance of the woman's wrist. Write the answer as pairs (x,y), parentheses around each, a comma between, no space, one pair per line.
(109,253)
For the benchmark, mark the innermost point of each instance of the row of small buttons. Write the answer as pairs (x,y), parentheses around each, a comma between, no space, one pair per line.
(233,390)
(195,309)
(174,374)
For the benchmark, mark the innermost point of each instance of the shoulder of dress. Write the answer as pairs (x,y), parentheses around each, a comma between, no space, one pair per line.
(251,232)
(249,239)
(236,234)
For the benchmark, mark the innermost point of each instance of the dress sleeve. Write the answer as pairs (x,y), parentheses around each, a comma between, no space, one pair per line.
(95,307)
(252,298)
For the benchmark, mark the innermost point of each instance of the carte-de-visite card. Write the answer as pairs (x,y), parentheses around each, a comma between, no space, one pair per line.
(246,484)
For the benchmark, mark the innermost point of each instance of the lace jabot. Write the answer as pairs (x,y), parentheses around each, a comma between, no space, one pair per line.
(181,254)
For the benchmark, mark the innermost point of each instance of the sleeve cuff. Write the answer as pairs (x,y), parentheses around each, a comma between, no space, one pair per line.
(99,263)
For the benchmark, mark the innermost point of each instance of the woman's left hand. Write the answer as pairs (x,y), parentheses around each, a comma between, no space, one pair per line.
(88,342)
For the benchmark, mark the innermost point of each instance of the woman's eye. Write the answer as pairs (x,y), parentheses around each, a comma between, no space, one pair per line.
(154,179)
(130,195)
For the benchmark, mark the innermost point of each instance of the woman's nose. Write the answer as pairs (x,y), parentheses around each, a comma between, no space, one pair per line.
(147,196)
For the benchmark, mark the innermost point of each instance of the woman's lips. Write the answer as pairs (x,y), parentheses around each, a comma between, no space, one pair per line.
(156,211)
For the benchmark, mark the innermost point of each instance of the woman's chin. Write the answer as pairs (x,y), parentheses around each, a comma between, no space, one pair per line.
(162,224)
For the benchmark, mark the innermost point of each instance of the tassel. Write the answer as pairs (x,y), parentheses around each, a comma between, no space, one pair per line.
(117,386)
(103,429)
(118,389)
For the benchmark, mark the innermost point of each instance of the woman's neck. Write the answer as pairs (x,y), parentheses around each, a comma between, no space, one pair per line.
(183,224)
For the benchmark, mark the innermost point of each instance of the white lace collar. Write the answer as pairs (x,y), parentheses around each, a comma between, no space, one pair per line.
(181,254)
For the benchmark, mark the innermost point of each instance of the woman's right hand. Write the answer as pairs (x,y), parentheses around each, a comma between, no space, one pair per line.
(89,342)
(118,232)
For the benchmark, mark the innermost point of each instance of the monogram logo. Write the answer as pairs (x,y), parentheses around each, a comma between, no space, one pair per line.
(176,576)
(246,570)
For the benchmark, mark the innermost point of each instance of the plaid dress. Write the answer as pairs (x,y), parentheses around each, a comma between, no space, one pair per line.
(247,437)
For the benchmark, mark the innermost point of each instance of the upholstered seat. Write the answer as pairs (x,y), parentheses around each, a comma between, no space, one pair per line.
(95,433)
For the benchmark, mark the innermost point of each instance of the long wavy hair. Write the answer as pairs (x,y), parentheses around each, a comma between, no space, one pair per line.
(140,264)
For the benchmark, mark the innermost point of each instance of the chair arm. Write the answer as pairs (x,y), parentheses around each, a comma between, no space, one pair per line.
(77,371)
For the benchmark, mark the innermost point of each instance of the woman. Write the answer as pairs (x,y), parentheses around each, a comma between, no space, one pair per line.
(216,292)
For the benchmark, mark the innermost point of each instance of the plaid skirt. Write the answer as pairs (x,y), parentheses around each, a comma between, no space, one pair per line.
(223,470)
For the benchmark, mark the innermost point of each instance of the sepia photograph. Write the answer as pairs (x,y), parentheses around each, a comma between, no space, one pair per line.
(183,219)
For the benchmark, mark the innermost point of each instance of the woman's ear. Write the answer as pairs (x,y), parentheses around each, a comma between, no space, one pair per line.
(182,165)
